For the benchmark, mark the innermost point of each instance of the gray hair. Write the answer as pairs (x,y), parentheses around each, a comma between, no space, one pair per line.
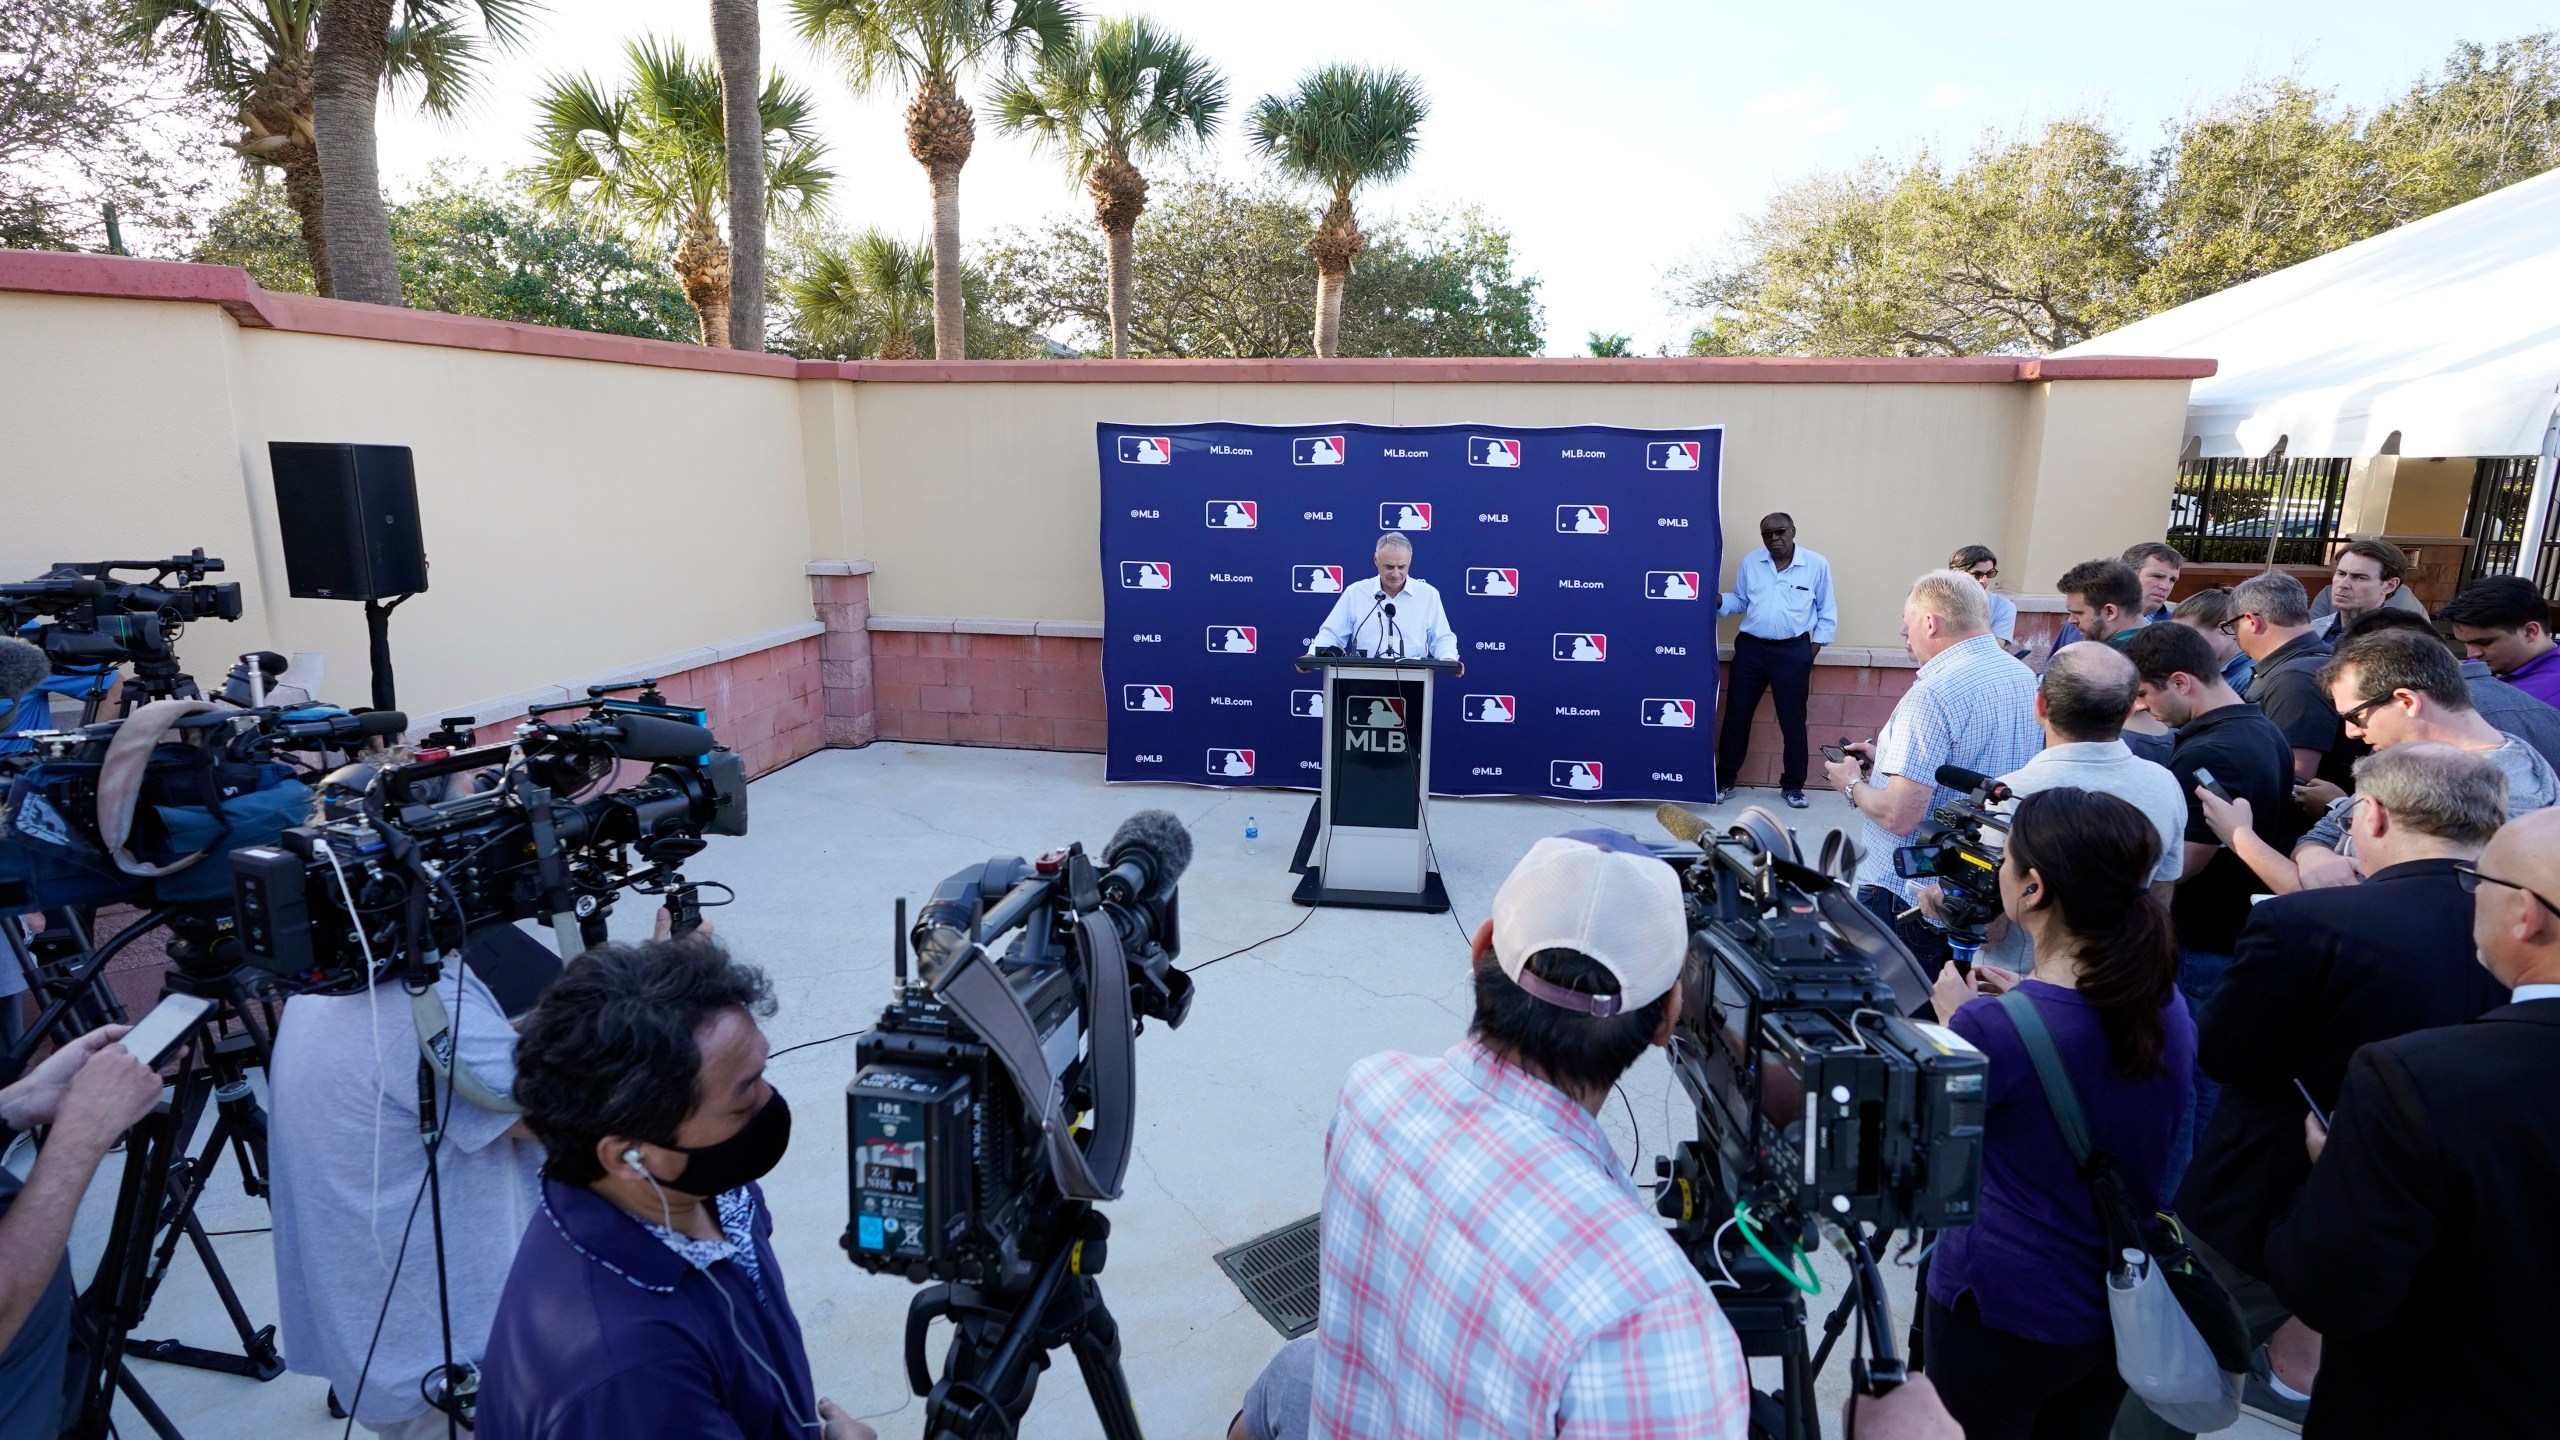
(2436,790)
(2276,596)
(1392,540)
(1952,596)
(2088,690)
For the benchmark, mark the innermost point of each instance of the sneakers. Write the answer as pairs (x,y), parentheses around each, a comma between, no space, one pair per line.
(1796,801)
(2261,1399)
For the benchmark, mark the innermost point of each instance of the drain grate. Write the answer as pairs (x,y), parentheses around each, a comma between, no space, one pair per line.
(1278,1273)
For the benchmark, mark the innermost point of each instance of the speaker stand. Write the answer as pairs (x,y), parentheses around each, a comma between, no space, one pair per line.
(377,625)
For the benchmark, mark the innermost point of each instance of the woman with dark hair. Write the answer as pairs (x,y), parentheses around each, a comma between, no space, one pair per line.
(1978,562)
(2016,1330)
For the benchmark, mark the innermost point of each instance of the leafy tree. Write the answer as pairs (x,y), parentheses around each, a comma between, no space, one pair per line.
(1114,95)
(85,120)
(870,295)
(1611,347)
(653,154)
(475,247)
(928,46)
(1226,266)
(1343,127)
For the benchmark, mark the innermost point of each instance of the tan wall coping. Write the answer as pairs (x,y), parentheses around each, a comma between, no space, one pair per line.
(840,567)
(954,625)
(510,707)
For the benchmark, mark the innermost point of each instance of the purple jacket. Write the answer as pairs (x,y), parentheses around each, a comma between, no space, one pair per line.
(604,1333)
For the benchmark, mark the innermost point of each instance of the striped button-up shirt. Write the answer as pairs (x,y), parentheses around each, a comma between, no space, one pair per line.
(1972,705)
(1489,1270)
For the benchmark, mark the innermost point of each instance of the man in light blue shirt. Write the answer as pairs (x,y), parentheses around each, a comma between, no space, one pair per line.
(1783,594)
(1394,615)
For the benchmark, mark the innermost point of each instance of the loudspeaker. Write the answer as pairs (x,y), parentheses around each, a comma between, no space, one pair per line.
(349,514)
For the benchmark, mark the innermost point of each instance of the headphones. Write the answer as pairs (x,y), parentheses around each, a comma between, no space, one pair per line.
(631,1157)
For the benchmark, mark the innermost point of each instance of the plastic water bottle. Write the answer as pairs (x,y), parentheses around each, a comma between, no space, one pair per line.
(1252,836)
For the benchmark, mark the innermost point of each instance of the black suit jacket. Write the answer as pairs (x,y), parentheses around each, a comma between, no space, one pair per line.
(2316,975)
(2423,1249)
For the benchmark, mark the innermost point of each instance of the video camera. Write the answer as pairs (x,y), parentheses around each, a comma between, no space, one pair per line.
(99,621)
(439,848)
(1959,847)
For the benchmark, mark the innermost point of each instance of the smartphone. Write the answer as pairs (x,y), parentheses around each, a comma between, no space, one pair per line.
(2305,1092)
(168,1023)
(2205,778)
(1835,753)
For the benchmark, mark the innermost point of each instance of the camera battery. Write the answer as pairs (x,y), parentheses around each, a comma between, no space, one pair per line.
(909,1133)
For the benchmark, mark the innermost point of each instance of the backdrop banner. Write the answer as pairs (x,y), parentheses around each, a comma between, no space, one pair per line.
(1578,567)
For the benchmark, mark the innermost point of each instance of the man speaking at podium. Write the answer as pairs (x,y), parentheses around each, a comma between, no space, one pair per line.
(1392,617)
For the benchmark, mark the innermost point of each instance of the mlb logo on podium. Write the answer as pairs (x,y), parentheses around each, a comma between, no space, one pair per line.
(1234,515)
(1146,697)
(1582,519)
(1571,645)
(1376,712)
(1307,704)
(1671,584)
(1233,639)
(1405,515)
(1670,714)
(1316,450)
(1316,579)
(1574,774)
(1231,762)
(1671,455)
(1493,580)
(1491,709)
(1146,449)
(1146,575)
(1494,451)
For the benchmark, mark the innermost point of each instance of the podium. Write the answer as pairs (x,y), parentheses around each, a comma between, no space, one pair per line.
(1370,843)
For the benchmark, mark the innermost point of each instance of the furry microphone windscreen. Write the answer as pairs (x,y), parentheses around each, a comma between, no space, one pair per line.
(1158,834)
(22,668)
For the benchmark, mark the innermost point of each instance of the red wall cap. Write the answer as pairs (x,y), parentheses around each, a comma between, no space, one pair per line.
(124,278)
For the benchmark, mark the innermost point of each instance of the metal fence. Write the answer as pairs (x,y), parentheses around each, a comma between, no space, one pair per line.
(2501,489)
(2258,511)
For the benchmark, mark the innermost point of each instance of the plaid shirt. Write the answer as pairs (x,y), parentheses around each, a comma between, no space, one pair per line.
(1972,705)
(1489,1270)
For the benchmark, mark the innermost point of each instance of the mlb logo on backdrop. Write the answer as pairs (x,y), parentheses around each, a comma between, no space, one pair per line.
(1376,712)
(1307,704)
(1574,774)
(1493,580)
(1146,575)
(1146,449)
(1494,451)
(1671,714)
(1491,709)
(1231,762)
(1233,639)
(1405,515)
(1582,519)
(1671,584)
(1146,697)
(1577,646)
(1234,515)
(1671,455)
(1316,579)
(1316,450)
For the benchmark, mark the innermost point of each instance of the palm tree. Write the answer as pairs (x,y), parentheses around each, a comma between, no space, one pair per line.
(1611,346)
(256,56)
(926,46)
(736,37)
(1119,93)
(1344,127)
(350,55)
(870,295)
(652,155)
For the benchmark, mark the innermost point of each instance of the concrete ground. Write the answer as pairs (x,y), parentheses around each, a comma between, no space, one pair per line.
(1232,1107)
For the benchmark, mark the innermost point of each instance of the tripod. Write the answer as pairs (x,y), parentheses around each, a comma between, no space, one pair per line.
(156,1202)
(1001,1342)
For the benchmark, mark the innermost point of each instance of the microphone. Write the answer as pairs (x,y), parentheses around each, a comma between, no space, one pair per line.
(22,668)
(1956,777)
(1685,825)
(643,737)
(1391,632)
(1375,601)
(268,662)
(367,726)
(1147,855)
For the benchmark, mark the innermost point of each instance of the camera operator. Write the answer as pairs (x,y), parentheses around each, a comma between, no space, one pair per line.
(2318,975)
(646,1299)
(2018,1336)
(2422,1247)
(1489,1269)
(90,1092)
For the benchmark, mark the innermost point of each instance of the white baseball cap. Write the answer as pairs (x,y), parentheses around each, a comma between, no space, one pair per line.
(1599,893)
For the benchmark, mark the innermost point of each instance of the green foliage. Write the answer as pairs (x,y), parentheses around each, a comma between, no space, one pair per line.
(87,119)
(1343,127)
(232,45)
(1124,90)
(2041,240)
(863,296)
(1612,346)
(475,247)
(905,43)
(1226,274)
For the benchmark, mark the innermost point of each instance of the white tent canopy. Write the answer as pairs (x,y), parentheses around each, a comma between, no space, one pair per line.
(2445,331)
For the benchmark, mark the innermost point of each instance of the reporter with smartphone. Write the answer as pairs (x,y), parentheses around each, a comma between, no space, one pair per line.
(89,1092)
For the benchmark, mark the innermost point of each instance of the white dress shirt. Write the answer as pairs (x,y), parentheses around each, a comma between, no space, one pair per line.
(1420,629)
(1780,604)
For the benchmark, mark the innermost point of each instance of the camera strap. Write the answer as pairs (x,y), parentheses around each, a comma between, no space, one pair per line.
(120,776)
(435,1046)
(976,991)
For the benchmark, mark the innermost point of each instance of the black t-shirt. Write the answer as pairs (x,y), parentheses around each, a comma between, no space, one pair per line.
(2253,761)
(2287,688)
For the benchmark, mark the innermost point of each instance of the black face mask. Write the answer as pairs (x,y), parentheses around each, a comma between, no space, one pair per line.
(748,1155)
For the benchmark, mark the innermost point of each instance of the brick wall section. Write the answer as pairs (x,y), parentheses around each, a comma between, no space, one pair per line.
(1851,700)
(766,706)
(1022,692)
(846,680)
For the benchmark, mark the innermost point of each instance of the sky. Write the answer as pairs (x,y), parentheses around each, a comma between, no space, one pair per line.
(1613,138)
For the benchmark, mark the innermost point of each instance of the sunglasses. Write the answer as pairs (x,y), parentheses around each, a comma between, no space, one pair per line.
(1775,534)
(2356,716)
(2471,879)
(1991,574)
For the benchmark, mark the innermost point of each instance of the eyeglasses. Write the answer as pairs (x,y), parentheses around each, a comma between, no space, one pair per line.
(1991,574)
(2471,879)
(2356,716)
(2232,625)
(1775,534)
